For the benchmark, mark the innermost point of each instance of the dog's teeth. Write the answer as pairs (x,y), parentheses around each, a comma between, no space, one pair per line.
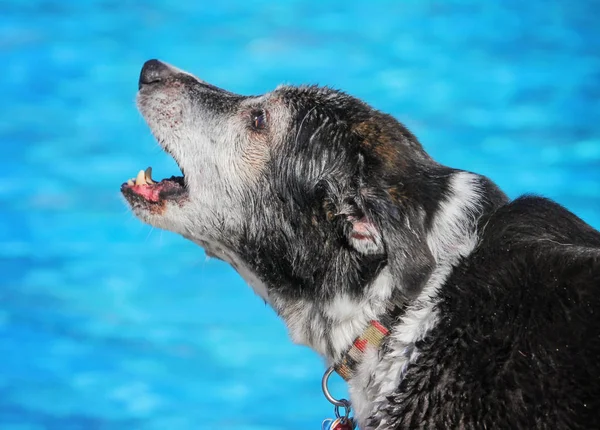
(141,178)
(130,182)
(148,176)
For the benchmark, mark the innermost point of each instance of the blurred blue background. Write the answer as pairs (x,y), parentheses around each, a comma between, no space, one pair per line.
(106,323)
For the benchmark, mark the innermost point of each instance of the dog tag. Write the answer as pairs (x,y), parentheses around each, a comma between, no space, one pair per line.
(338,424)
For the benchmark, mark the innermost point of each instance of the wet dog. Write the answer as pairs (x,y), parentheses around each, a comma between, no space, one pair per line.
(442,303)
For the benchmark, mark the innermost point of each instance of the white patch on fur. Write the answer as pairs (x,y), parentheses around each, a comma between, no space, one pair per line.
(357,313)
(330,329)
(381,289)
(342,308)
(453,236)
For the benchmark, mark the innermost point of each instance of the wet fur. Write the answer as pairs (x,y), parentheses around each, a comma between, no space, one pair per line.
(503,326)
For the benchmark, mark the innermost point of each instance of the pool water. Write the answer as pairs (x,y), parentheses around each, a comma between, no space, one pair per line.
(106,323)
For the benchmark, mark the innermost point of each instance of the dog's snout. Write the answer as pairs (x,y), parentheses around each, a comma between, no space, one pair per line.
(154,71)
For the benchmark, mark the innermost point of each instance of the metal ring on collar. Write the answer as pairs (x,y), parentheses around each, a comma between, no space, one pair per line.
(341,403)
(346,411)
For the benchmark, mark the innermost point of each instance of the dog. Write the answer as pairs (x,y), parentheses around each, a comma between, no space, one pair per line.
(442,303)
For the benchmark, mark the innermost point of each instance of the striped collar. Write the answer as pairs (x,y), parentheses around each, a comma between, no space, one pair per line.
(372,336)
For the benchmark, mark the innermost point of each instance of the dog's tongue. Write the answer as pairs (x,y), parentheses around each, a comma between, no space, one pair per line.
(149,192)
(143,185)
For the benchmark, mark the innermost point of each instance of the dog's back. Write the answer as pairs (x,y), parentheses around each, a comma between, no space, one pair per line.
(517,344)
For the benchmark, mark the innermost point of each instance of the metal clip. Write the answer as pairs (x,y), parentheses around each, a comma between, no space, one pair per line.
(338,403)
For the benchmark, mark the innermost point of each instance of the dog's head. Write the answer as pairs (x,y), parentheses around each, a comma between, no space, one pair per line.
(308,192)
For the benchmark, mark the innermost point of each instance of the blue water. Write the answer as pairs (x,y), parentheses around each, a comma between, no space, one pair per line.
(106,323)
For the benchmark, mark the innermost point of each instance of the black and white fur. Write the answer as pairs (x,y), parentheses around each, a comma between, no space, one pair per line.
(327,206)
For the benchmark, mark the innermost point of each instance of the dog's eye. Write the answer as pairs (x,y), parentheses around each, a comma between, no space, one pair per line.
(259,119)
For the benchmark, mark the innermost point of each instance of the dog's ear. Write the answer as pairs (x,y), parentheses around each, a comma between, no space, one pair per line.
(382,228)
(388,155)
(364,236)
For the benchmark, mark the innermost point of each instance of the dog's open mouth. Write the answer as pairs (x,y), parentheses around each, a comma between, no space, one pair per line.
(144,189)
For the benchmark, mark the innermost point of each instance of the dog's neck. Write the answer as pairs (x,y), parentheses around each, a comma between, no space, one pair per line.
(331,328)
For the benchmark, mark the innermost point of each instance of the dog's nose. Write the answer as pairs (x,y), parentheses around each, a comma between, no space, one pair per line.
(154,71)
